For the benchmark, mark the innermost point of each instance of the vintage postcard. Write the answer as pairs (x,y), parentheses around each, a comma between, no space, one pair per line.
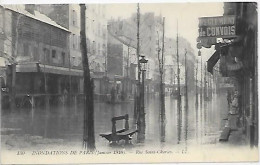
(136,82)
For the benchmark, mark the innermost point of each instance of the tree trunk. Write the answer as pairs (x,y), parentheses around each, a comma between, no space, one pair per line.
(162,90)
(88,136)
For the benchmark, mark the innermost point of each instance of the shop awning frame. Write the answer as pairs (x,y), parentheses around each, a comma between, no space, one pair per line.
(212,61)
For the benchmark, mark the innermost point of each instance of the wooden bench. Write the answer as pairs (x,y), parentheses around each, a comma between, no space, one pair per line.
(225,134)
(123,134)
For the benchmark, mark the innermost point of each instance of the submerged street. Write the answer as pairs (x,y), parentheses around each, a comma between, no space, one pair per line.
(64,126)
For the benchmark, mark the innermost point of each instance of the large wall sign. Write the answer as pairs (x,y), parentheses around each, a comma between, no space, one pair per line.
(211,28)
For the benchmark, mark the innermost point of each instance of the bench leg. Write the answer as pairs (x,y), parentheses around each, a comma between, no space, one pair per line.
(114,143)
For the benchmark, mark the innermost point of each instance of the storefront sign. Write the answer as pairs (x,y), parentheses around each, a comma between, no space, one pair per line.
(217,27)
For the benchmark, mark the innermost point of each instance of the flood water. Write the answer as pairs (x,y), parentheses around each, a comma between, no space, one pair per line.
(194,125)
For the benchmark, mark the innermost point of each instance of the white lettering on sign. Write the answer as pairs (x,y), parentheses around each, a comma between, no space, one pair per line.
(217,21)
(218,27)
(218,31)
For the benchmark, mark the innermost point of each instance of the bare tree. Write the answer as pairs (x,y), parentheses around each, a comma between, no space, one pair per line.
(88,134)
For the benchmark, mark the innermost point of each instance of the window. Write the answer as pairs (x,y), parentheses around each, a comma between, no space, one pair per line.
(99,26)
(53,53)
(94,47)
(63,58)
(79,42)
(99,49)
(121,25)
(76,41)
(74,18)
(46,55)
(73,61)
(1,21)
(73,41)
(150,26)
(35,53)
(25,49)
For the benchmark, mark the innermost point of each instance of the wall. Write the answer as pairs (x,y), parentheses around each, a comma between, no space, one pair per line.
(36,38)
(96,32)
(74,27)
(115,59)
(5,34)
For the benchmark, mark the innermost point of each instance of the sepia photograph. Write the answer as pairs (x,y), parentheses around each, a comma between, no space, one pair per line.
(128,82)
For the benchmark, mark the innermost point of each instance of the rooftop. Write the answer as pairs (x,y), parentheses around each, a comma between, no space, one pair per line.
(37,15)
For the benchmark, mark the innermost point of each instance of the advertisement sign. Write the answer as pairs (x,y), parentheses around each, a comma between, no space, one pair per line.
(211,28)
(219,27)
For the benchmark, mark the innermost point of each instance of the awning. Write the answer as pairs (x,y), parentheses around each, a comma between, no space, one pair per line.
(60,70)
(35,67)
(212,61)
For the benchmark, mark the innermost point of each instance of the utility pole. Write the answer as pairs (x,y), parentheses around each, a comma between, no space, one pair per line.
(186,81)
(186,100)
(196,101)
(127,68)
(88,133)
(70,91)
(171,76)
(205,98)
(140,135)
(127,74)
(178,74)
(179,115)
(201,85)
(45,81)
(205,84)
(196,83)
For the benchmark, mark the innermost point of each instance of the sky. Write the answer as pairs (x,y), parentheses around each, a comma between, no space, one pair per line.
(187,15)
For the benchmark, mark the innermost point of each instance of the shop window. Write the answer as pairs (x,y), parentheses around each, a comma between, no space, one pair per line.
(53,53)
(73,61)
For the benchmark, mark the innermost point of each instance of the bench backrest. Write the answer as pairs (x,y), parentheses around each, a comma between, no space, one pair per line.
(114,119)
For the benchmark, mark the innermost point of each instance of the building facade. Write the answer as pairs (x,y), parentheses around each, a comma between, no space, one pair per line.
(150,32)
(238,63)
(122,64)
(68,16)
(39,62)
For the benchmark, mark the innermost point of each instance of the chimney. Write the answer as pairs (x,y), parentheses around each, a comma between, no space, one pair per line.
(30,8)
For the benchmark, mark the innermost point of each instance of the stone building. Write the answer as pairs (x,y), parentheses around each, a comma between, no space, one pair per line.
(150,27)
(121,64)
(39,60)
(68,16)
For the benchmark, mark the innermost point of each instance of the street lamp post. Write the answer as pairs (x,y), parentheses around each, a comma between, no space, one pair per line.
(1,95)
(143,66)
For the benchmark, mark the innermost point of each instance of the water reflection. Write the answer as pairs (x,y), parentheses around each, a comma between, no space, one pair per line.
(182,127)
